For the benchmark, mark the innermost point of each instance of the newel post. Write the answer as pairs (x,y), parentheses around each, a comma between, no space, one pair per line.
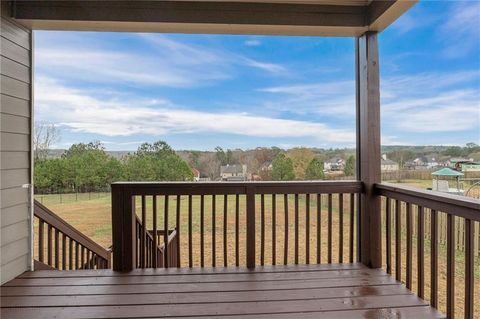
(123,229)
(368,147)
(250,191)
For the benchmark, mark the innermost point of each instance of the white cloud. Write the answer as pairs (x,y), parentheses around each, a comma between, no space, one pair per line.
(336,98)
(252,43)
(166,63)
(432,102)
(461,29)
(426,102)
(81,112)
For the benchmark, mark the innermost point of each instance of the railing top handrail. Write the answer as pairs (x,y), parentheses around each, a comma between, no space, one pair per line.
(453,204)
(57,222)
(217,187)
(313,182)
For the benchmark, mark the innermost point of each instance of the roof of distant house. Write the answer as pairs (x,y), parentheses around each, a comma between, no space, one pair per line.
(334,160)
(388,162)
(231,169)
(460,160)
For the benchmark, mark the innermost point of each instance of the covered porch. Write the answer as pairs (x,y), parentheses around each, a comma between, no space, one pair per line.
(342,249)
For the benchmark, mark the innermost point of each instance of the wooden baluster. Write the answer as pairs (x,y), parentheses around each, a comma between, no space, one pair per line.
(296,229)
(420,253)
(202,231)
(237,230)
(165,235)
(155,232)
(450,266)
(82,258)
(469,268)
(388,229)
(251,240)
(225,223)
(143,232)
(57,249)
(177,240)
(88,259)
(190,240)
(64,252)
(307,229)
(319,228)
(285,245)
(274,229)
(398,240)
(41,240)
(340,230)
(49,245)
(70,254)
(409,246)
(434,258)
(329,230)
(77,262)
(262,229)
(352,226)
(214,230)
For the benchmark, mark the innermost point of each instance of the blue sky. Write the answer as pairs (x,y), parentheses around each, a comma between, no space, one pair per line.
(200,91)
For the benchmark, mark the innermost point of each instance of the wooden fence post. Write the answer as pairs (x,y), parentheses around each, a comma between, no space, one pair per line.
(123,229)
(250,191)
(368,147)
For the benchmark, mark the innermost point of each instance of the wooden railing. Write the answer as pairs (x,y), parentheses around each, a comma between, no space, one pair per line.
(401,208)
(149,257)
(62,247)
(248,223)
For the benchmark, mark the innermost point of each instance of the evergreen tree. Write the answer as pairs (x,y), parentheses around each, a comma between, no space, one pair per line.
(282,168)
(314,170)
(349,169)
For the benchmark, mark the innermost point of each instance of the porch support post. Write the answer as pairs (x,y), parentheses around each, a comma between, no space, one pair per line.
(123,229)
(368,147)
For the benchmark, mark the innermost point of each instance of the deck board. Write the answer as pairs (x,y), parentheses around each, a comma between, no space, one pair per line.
(313,291)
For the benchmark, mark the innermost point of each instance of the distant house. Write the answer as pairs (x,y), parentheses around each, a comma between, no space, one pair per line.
(196,174)
(471,167)
(422,163)
(233,173)
(267,166)
(334,164)
(387,165)
(457,163)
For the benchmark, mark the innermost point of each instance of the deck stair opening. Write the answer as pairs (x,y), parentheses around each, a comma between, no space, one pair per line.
(60,246)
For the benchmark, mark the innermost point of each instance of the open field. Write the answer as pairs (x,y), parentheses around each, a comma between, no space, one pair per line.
(93,217)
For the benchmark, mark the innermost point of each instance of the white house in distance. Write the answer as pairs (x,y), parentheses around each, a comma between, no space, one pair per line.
(422,163)
(233,173)
(388,165)
(334,164)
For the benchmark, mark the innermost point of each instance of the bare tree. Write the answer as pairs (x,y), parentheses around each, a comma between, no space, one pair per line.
(44,137)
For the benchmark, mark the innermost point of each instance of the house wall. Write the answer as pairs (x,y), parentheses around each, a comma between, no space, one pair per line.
(15,146)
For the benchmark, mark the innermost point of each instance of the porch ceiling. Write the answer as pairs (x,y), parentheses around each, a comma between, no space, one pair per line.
(286,17)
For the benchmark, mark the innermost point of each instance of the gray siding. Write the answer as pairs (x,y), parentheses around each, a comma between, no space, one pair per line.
(15,141)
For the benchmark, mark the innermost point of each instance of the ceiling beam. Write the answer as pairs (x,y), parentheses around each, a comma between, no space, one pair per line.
(380,14)
(199,16)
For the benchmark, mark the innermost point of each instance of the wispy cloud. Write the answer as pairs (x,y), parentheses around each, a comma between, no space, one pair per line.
(252,42)
(425,102)
(168,63)
(80,112)
(461,29)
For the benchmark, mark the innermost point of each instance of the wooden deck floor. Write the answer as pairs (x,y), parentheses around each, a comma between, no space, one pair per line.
(314,291)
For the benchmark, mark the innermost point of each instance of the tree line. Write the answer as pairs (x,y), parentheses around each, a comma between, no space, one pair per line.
(86,167)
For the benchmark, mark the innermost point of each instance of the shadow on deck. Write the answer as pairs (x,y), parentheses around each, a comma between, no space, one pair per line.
(306,291)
